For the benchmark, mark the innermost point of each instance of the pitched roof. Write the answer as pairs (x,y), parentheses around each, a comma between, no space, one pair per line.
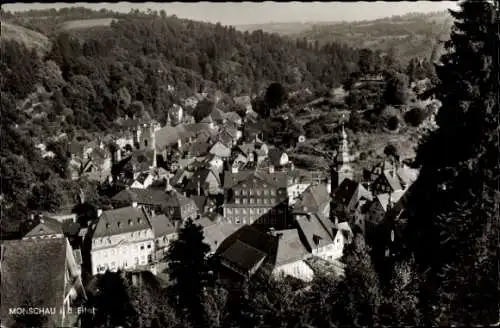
(233,117)
(244,256)
(142,177)
(217,115)
(392,180)
(290,247)
(168,135)
(220,149)
(247,148)
(383,199)
(274,154)
(163,226)
(149,196)
(205,222)
(216,234)
(317,231)
(200,177)
(46,226)
(277,179)
(121,220)
(407,175)
(313,199)
(207,120)
(33,274)
(349,190)
(199,148)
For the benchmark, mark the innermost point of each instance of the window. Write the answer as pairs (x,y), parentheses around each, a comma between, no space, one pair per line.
(105,254)
(236,192)
(252,211)
(258,192)
(251,192)
(149,246)
(229,211)
(265,192)
(244,211)
(236,200)
(244,192)
(142,247)
(273,192)
(244,200)
(252,201)
(236,211)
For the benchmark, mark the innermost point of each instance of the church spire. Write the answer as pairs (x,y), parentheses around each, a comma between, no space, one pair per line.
(343,151)
(342,169)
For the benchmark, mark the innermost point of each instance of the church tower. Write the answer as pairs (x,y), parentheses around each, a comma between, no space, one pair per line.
(342,169)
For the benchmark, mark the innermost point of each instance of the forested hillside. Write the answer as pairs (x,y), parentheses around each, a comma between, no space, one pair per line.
(92,76)
(408,36)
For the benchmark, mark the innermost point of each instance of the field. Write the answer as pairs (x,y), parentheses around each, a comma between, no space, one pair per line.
(21,34)
(86,23)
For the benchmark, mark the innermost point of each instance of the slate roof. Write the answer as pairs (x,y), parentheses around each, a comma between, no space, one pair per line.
(46,226)
(217,115)
(383,199)
(163,226)
(277,179)
(392,180)
(200,202)
(168,135)
(149,196)
(199,148)
(200,176)
(33,274)
(220,150)
(215,234)
(226,139)
(121,220)
(290,247)
(243,256)
(233,117)
(274,155)
(313,199)
(350,190)
(247,148)
(317,231)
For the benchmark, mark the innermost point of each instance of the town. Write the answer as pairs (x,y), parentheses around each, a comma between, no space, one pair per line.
(153,176)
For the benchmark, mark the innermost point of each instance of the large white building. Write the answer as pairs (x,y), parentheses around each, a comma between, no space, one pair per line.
(123,239)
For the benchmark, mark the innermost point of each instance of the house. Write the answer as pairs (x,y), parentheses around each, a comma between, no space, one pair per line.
(350,195)
(175,115)
(389,177)
(244,101)
(143,181)
(153,200)
(181,177)
(218,116)
(322,237)
(215,234)
(251,194)
(204,204)
(198,149)
(234,118)
(315,199)
(298,181)
(41,274)
(278,157)
(204,182)
(45,229)
(165,232)
(220,150)
(215,163)
(290,256)
(179,207)
(122,239)
(378,209)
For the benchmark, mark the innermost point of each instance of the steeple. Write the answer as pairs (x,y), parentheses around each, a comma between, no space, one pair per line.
(342,168)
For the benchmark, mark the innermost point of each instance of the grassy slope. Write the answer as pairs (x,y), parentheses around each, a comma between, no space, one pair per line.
(86,23)
(21,34)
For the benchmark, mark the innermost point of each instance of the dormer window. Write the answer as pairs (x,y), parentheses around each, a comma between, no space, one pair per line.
(119,224)
(139,220)
(107,225)
(130,223)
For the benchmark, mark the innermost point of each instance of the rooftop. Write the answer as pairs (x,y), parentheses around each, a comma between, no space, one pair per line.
(121,220)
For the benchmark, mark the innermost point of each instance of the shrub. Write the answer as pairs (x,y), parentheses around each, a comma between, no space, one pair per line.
(415,116)
(393,123)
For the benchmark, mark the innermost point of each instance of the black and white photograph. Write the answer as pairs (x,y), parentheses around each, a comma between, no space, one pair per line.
(250,164)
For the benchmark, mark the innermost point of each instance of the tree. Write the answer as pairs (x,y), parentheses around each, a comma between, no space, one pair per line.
(189,271)
(275,95)
(391,151)
(396,91)
(453,208)
(415,116)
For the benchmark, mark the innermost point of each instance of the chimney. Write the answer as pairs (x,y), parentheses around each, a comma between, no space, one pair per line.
(99,213)
(234,169)
(329,185)
(199,188)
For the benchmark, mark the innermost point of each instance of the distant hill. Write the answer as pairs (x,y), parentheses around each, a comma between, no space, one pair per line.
(30,38)
(411,35)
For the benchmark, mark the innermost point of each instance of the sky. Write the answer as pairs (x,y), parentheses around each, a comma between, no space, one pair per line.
(241,13)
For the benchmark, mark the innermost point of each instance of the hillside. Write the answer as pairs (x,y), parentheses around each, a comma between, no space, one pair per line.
(411,35)
(30,38)
(86,23)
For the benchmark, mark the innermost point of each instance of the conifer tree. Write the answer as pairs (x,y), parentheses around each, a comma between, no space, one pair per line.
(189,271)
(453,209)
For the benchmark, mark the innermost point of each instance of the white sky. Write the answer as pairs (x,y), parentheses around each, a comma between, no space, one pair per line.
(228,13)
